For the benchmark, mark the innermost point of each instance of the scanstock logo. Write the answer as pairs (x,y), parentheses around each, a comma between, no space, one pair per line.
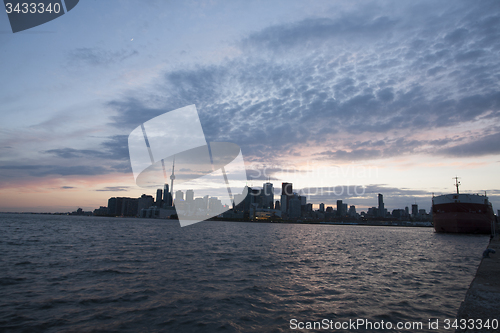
(213,172)
(26,14)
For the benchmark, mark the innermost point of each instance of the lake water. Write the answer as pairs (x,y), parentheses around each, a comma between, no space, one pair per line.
(80,274)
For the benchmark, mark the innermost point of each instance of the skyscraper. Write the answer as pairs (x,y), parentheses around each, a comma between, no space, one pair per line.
(179,196)
(414,210)
(167,196)
(286,195)
(322,207)
(268,195)
(172,177)
(189,196)
(339,208)
(381,209)
(159,193)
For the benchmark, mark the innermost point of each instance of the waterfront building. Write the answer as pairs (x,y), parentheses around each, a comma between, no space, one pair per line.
(189,196)
(381,209)
(287,194)
(322,207)
(277,205)
(159,194)
(294,210)
(414,210)
(268,195)
(352,211)
(130,207)
(144,202)
(122,206)
(101,211)
(284,204)
(167,196)
(179,196)
(339,207)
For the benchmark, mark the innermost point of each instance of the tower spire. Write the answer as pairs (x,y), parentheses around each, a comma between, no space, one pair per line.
(172,177)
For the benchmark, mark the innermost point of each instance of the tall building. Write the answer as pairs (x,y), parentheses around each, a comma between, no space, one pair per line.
(172,178)
(414,210)
(189,196)
(283,205)
(179,196)
(322,207)
(167,196)
(339,208)
(352,211)
(286,194)
(381,209)
(268,195)
(159,194)
(287,189)
(295,208)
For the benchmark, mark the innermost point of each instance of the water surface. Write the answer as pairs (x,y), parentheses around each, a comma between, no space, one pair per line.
(69,273)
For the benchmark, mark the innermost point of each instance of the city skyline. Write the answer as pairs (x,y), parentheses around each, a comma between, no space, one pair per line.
(262,201)
(388,97)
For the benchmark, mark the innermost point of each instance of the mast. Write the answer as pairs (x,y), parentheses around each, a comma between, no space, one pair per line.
(172,177)
(457,183)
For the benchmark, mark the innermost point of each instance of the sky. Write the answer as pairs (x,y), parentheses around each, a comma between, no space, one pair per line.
(345,99)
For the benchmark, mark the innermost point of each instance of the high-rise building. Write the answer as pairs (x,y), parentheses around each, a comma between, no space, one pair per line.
(322,207)
(295,208)
(339,208)
(414,210)
(189,196)
(407,211)
(179,196)
(167,196)
(159,194)
(287,189)
(352,211)
(287,194)
(268,195)
(284,204)
(381,209)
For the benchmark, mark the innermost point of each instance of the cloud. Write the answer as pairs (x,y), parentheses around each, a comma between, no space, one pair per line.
(46,170)
(390,75)
(98,57)
(114,189)
(487,145)
(113,148)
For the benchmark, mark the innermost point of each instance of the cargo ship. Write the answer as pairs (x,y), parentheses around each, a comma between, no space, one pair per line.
(462,213)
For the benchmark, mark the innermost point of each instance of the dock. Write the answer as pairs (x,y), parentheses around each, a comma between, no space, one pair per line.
(482,300)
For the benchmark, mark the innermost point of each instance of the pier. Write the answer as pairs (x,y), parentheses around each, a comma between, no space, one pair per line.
(482,300)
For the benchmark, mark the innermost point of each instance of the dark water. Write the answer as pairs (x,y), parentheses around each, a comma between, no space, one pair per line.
(81,274)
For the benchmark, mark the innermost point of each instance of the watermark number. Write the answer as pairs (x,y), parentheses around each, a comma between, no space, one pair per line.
(32,8)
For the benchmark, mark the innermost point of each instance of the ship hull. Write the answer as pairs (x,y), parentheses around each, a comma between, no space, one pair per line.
(463,218)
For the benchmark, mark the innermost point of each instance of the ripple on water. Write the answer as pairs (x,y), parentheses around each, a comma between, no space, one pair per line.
(65,273)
